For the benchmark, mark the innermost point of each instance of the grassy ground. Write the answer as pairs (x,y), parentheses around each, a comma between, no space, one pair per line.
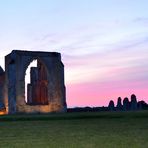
(75,130)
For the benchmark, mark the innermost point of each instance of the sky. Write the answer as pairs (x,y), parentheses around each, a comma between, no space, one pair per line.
(104,44)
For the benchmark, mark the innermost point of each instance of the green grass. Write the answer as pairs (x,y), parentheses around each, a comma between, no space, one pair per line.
(75,130)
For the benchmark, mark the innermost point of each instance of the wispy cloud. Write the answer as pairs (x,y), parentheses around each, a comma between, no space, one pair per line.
(143,20)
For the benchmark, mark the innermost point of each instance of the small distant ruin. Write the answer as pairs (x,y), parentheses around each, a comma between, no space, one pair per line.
(127,105)
(46,90)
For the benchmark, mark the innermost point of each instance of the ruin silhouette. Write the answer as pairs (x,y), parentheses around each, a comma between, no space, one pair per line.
(46,91)
(128,105)
(133,102)
(119,104)
(111,105)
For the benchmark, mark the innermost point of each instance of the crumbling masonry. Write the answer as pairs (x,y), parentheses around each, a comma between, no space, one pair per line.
(46,90)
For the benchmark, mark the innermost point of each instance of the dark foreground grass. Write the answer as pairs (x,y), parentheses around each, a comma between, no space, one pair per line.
(75,130)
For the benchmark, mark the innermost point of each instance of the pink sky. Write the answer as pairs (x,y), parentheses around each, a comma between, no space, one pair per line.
(95,94)
(94,79)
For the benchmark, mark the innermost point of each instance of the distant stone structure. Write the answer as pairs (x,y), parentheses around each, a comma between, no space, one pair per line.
(46,91)
(111,105)
(119,104)
(126,104)
(133,102)
(142,105)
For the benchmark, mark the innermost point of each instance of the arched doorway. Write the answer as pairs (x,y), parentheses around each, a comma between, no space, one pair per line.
(36,89)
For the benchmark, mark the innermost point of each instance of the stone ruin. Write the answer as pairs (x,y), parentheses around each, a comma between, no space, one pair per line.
(127,105)
(119,104)
(111,105)
(46,90)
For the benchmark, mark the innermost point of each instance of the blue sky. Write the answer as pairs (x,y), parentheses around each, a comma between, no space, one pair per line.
(104,44)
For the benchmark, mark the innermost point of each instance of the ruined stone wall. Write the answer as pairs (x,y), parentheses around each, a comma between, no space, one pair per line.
(2,92)
(16,65)
(37,93)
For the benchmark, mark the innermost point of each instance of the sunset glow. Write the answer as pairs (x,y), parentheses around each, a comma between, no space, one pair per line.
(104,44)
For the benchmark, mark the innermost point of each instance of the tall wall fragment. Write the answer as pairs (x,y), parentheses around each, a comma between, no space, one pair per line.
(46,91)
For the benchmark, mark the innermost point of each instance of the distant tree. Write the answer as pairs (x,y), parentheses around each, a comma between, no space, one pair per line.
(119,104)
(111,105)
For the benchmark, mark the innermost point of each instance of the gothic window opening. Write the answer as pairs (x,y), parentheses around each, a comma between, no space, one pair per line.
(37,85)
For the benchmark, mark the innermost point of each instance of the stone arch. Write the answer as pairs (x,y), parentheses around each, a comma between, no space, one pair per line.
(51,61)
(32,59)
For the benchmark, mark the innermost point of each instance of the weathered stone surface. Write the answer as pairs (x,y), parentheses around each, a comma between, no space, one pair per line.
(38,88)
(29,94)
(46,91)
(2,83)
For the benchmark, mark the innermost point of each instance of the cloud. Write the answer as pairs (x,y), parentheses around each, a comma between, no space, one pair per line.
(143,20)
(125,60)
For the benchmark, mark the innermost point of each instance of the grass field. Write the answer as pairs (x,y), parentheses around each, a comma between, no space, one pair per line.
(75,130)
